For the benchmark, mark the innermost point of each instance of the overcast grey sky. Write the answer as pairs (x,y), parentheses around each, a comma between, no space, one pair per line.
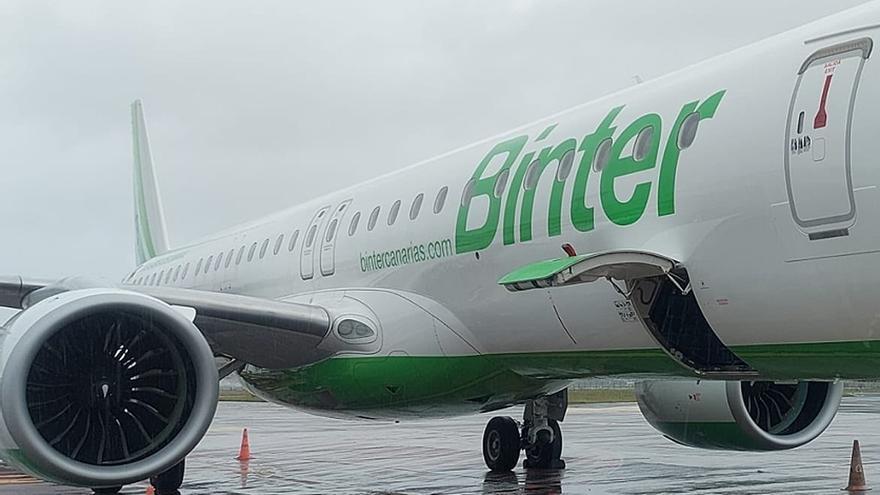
(255,106)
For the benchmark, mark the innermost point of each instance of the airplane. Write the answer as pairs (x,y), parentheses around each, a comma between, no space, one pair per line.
(710,233)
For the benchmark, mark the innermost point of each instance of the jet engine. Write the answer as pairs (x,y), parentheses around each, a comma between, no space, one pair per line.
(102,387)
(733,415)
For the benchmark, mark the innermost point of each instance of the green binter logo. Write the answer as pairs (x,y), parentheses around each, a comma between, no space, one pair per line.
(601,153)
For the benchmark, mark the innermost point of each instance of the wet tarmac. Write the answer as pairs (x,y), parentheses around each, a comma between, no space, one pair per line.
(608,448)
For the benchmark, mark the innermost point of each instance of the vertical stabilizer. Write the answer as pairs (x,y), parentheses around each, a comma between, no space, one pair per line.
(151,238)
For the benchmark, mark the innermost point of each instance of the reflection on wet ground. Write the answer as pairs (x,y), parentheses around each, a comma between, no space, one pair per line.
(608,448)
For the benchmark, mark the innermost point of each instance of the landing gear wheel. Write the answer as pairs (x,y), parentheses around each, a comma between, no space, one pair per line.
(501,444)
(113,490)
(168,483)
(546,455)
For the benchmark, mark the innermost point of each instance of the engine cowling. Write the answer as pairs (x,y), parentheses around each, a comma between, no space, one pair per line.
(103,387)
(733,415)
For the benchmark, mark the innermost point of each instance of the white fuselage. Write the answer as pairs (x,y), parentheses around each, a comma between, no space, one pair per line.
(759,276)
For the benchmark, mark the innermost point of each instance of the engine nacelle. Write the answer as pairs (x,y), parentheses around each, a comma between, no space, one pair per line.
(103,387)
(732,415)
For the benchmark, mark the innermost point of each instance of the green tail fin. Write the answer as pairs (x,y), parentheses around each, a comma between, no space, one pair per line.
(151,238)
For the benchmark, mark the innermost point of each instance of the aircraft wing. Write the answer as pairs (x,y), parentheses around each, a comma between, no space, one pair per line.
(263,332)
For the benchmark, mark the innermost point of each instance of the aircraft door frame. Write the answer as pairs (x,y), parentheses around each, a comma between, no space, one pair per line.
(818,170)
(307,253)
(328,239)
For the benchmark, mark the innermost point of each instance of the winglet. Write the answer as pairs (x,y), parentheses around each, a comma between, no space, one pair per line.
(151,235)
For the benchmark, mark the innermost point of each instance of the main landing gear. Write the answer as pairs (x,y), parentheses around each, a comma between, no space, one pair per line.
(539,436)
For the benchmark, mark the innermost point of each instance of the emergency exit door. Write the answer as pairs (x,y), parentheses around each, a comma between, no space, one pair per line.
(818,169)
(328,245)
(307,256)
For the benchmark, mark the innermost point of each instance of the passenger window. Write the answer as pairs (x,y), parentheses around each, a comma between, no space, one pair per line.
(416,206)
(139,280)
(208,264)
(293,239)
(533,174)
(688,131)
(310,238)
(176,273)
(441,199)
(161,274)
(219,261)
(198,266)
(331,230)
(392,215)
(354,224)
(229,258)
(565,164)
(643,143)
(603,155)
(501,182)
(264,247)
(185,270)
(468,192)
(374,217)
(153,279)
(278,243)
(240,255)
(251,251)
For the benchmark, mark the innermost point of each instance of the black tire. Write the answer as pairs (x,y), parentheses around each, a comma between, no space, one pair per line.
(169,482)
(546,456)
(112,490)
(501,444)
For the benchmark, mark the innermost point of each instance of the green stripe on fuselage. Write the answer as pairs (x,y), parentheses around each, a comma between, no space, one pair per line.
(443,386)
(821,361)
(395,386)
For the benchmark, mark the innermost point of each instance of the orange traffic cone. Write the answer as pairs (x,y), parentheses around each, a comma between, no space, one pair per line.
(244,454)
(856,472)
(150,490)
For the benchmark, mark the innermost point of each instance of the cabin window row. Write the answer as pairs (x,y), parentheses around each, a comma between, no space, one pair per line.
(259,250)
(245,253)
(415,208)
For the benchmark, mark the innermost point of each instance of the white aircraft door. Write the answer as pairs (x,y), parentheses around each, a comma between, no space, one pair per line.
(817,149)
(328,241)
(307,256)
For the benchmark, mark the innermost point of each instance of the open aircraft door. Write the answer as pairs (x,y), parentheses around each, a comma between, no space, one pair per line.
(659,290)
(328,241)
(307,256)
(818,170)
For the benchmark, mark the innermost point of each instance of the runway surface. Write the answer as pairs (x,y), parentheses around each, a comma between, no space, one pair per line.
(608,448)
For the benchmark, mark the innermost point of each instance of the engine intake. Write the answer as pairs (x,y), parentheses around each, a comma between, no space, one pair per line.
(103,387)
(732,415)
